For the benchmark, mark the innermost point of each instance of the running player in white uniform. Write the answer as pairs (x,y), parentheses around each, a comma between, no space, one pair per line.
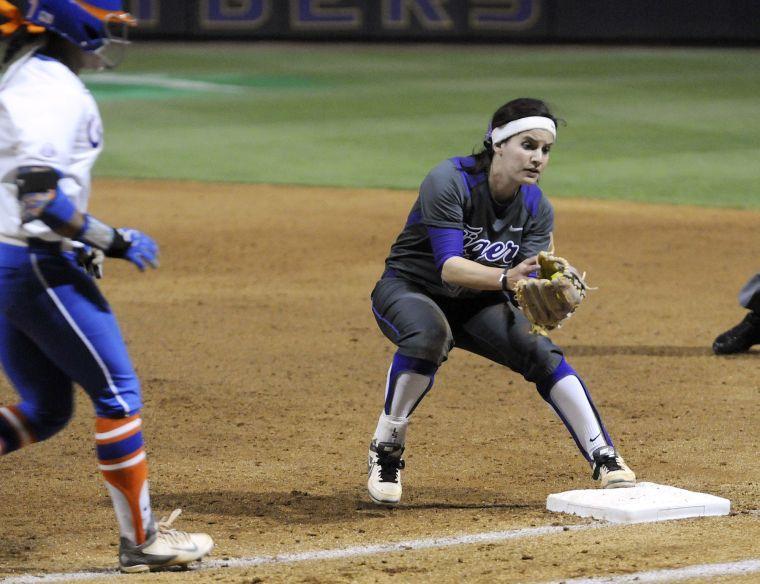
(56,329)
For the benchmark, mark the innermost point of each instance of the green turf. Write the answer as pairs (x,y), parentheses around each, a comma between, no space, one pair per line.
(668,125)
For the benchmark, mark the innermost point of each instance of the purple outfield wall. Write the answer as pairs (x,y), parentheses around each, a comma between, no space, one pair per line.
(663,21)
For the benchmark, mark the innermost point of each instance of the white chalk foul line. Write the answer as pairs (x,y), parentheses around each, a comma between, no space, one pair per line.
(385,548)
(70,577)
(674,574)
(666,575)
(332,554)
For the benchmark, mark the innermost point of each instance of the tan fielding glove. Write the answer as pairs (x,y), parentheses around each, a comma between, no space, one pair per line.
(552,297)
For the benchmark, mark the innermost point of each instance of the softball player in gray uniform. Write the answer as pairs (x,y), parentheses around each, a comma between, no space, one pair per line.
(473,232)
(747,333)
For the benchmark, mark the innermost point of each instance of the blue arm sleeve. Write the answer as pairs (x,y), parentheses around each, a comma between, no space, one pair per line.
(446,243)
(59,211)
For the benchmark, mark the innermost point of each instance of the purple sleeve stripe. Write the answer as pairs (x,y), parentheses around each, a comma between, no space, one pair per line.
(463,162)
(414,218)
(531,198)
(446,243)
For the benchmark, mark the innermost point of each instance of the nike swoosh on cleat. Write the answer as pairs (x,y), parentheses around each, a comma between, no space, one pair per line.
(185,549)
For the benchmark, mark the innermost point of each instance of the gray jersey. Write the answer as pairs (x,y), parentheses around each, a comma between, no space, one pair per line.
(452,196)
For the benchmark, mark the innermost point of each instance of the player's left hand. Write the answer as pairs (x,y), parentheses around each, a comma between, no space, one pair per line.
(552,297)
(142,250)
(522,271)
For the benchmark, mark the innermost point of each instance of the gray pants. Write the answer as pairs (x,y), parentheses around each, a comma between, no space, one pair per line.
(428,327)
(749,297)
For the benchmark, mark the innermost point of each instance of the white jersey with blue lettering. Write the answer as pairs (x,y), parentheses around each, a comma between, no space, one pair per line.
(47,118)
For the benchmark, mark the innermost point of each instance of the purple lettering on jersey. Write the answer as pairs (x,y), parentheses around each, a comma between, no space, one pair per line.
(494,250)
(477,248)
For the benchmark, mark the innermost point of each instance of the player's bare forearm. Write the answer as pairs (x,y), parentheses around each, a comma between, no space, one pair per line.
(459,271)
(72,228)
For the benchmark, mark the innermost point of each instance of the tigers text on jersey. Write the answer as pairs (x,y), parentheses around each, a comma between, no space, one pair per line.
(453,196)
(47,118)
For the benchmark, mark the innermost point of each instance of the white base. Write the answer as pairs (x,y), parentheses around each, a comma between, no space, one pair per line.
(644,502)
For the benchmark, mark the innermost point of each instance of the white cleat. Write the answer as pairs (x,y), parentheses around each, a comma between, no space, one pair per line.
(611,469)
(167,547)
(384,464)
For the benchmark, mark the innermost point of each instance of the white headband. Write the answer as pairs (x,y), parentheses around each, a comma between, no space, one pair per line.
(516,126)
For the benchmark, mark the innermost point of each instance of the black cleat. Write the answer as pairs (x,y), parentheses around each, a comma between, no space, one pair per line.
(740,338)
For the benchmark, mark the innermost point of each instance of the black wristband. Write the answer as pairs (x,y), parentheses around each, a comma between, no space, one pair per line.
(118,247)
(36,179)
(503,280)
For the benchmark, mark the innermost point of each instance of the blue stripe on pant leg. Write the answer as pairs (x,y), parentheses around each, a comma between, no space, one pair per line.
(67,317)
(411,320)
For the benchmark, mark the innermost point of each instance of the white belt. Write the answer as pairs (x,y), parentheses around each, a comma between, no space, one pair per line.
(64,244)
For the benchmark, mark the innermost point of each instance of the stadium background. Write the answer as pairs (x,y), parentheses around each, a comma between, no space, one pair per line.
(275,175)
(472,20)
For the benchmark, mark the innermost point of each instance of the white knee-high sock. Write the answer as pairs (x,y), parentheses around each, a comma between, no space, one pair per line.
(407,390)
(408,381)
(572,405)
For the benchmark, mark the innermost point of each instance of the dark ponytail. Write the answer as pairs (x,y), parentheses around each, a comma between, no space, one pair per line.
(17,41)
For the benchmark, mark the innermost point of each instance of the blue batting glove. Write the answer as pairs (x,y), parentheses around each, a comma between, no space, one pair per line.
(142,250)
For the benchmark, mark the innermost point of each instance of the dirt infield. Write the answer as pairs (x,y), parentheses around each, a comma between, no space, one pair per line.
(263,374)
